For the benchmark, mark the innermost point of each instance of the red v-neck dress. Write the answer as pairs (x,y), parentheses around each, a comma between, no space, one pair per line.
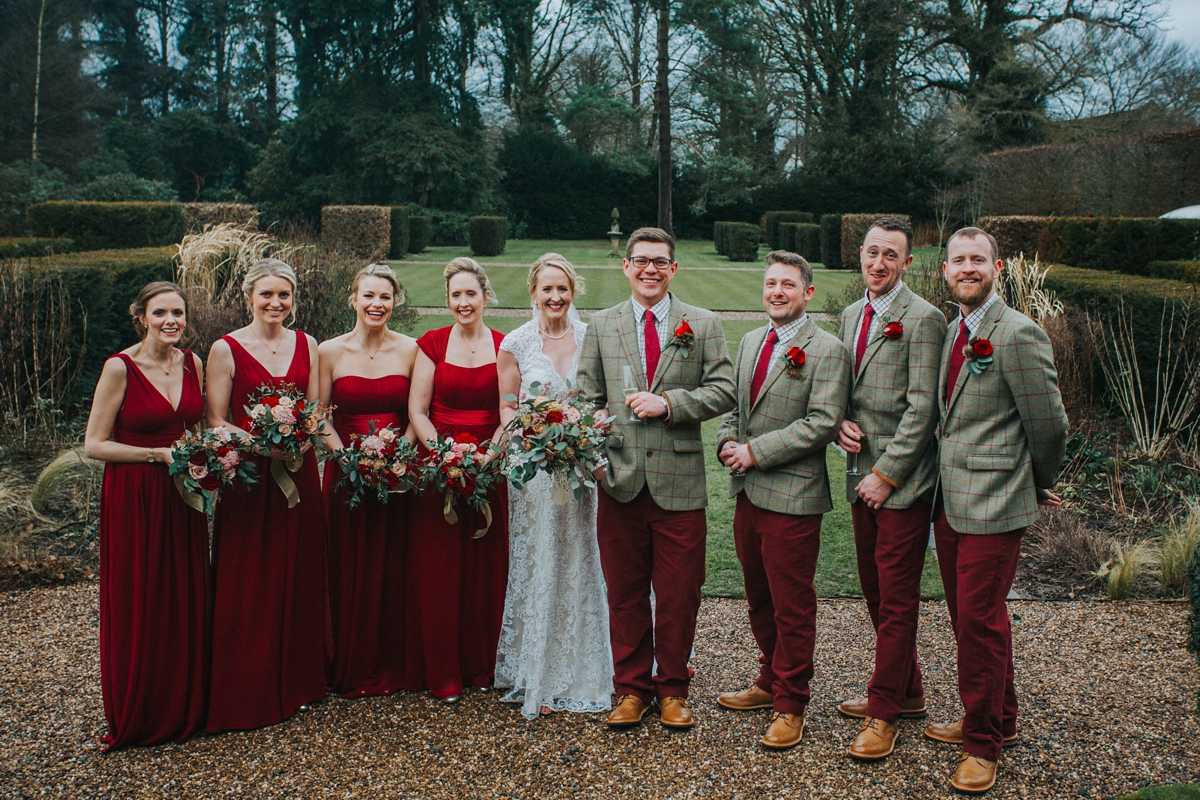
(456,583)
(268,653)
(367,547)
(153,577)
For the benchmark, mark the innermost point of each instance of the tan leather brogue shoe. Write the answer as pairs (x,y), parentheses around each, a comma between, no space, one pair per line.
(974,775)
(951,733)
(629,711)
(911,708)
(785,730)
(674,713)
(876,739)
(747,699)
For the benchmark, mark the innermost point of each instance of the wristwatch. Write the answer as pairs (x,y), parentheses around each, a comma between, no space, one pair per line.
(150,456)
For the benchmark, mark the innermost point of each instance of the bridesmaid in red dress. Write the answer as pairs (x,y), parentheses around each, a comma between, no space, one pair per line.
(456,583)
(153,547)
(268,650)
(365,374)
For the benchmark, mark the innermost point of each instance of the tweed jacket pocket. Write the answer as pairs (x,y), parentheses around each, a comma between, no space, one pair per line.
(687,446)
(615,441)
(994,461)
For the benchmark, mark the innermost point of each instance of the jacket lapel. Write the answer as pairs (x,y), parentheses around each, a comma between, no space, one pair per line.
(986,326)
(801,340)
(669,351)
(896,311)
(627,333)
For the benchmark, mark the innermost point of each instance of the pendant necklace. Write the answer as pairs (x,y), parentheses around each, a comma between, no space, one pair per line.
(363,343)
(274,349)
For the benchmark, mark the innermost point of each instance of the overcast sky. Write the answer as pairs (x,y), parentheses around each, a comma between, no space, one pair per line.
(1183,20)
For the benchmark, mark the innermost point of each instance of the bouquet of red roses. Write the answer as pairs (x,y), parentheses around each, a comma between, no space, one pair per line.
(282,418)
(383,462)
(458,467)
(207,460)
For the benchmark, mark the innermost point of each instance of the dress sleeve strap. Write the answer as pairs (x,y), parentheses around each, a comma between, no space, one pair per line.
(433,344)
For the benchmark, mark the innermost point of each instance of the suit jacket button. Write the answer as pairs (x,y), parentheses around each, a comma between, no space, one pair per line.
(649,454)
(749,432)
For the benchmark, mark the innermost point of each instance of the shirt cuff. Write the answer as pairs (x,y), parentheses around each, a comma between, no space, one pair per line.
(886,479)
(667,405)
(750,450)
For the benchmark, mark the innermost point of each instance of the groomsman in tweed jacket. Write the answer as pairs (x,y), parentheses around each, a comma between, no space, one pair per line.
(793,381)
(1003,437)
(650,520)
(896,340)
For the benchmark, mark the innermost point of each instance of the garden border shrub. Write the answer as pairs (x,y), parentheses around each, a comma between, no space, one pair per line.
(1120,244)
(420,231)
(854,228)
(1186,271)
(775,218)
(488,235)
(1018,234)
(831,241)
(719,237)
(200,215)
(101,226)
(359,231)
(802,238)
(743,241)
(32,247)
(399,232)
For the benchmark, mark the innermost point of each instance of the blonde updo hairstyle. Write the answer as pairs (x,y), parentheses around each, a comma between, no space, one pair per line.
(559,262)
(472,267)
(137,309)
(270,268)
(378,271)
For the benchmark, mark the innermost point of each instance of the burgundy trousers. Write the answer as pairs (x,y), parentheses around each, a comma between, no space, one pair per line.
(977,572)
(778,553)
(644,545)
(891,544)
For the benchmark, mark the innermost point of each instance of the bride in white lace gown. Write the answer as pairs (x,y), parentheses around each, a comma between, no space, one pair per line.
(554,651)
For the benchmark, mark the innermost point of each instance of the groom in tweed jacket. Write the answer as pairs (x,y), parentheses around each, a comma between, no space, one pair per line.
(1003,437)
(650,520)
(792,389)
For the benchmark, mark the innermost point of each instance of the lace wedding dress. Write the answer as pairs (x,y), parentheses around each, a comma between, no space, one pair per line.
(554,648)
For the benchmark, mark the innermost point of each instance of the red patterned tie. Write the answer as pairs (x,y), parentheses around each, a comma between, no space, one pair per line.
(763,366)
(956,360)
(861,346)
(653,347)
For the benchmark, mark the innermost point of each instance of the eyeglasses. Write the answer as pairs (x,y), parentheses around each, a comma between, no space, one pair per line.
(641,262)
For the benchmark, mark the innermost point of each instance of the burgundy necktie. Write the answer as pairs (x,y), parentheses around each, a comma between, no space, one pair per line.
(861,346)
(653,348)
(763,366)
(956,360)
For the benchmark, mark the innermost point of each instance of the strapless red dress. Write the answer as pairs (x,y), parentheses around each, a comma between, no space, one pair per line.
(268,653)
(153,577)
(367,550)
(456,583)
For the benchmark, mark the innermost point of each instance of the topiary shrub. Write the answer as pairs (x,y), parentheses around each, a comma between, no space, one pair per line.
(1120,244)
(1186,271)
(854,228)
(399,246)
(420,231)
(801,238)
(201,215)
(831,241)
(775,218)
(30,247)
(718,234)
(488,235)
(99,226)
(363,232)
(1016,235)
(742,241)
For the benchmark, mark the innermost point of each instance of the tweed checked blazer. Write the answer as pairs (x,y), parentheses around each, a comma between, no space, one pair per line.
(698,384)
(1004,433)
(895,399)
(791,422)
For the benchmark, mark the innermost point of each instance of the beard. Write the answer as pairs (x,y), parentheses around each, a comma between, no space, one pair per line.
(972,294)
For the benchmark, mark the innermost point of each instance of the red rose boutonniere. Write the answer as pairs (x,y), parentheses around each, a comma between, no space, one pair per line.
(978,353)
(893,329)
(793,360)
(684,337)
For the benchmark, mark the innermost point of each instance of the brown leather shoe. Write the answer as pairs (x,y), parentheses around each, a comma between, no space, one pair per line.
(974,775)
(747,699)
(911,708)
(785,730)
(629,711)
(951,733)
(876,739)
(674,713)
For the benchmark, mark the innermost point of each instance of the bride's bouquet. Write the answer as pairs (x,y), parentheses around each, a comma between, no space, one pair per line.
(282,418)
(205,461)
(559,436)
(458,467)
(382,462)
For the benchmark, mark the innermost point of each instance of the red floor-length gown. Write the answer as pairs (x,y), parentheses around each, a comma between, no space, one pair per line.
(268,650)
(153,577)
(456,583)
(367,550)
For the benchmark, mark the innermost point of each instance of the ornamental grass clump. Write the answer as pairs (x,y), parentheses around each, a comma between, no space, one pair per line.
(1179,547)
(1121,573)
(1022,285)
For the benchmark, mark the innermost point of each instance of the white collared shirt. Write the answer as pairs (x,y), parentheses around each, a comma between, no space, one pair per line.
(881,306)
(785,334)
(976,317)
(662,321)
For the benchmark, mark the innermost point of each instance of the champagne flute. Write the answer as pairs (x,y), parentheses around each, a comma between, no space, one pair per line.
(629,388)
(852,458)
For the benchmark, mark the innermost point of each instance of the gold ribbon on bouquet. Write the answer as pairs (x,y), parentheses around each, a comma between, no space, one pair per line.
(192,499)
(280,470)
(451,515)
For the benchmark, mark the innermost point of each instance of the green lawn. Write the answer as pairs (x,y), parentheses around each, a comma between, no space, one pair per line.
(1174,791)
(688,252)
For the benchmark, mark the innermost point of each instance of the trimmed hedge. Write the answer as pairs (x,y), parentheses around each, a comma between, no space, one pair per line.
(775,219)
(831,241)
(359,231)
(399,246)
(742,241)
(719,237)
(420,231)
(854,228)
(30,247)
(1016,235)
(1120,244)
(100,226)
(488,235)
(801,238)
(200,215)
(1187,271)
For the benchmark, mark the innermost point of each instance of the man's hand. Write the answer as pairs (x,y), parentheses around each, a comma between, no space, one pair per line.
(848,437)
(874,491)
(646,405)
(726,448)
(737,457)
(1049,499)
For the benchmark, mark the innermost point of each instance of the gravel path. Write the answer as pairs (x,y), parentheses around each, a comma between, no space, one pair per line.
(1108,691)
